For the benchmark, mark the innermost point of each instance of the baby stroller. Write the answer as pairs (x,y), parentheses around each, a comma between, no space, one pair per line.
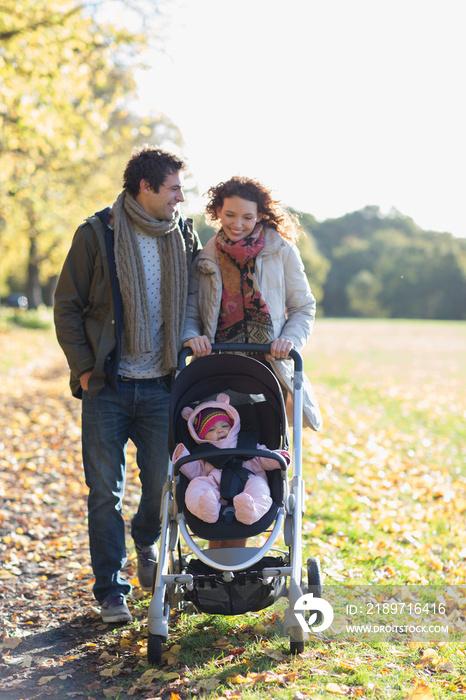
(234,580)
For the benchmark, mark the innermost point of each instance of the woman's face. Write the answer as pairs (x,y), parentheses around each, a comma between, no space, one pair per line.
(238,217)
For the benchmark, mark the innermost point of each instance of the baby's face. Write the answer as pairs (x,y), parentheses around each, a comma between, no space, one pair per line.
(218,431)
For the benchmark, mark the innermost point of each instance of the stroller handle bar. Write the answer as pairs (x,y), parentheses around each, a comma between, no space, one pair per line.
(248,348)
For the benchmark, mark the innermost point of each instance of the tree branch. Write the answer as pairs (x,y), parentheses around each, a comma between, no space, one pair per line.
(50,22)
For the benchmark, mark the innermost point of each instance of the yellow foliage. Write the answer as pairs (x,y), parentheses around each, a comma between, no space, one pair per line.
(62,90)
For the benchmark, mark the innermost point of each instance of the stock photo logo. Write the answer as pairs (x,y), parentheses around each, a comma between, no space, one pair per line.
(320,611)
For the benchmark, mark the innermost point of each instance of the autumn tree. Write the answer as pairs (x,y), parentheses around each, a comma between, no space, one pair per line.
(65,83)
(363,295)
(315,264)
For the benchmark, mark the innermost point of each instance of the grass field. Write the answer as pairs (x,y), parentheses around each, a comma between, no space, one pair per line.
(388,470)
(385,510)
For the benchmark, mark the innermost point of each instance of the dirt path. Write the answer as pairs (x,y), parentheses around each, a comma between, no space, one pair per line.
(52,639)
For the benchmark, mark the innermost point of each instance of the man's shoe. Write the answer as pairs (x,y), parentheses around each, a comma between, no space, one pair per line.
(147,562)
(114,609)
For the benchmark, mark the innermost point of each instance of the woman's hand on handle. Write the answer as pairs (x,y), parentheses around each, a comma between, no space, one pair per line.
(280,349)
(200,345)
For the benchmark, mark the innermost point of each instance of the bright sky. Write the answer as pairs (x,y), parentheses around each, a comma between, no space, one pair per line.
(335,104)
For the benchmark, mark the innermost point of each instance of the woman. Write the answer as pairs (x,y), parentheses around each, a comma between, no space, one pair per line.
(248,284)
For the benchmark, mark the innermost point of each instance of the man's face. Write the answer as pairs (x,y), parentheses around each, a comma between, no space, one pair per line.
(161,205)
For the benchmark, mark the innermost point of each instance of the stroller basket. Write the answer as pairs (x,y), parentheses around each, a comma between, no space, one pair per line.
(247,592)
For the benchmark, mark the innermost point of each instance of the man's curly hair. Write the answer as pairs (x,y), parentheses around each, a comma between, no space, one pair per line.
(152,164)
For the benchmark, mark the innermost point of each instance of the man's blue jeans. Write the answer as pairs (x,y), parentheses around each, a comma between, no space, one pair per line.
(138,411)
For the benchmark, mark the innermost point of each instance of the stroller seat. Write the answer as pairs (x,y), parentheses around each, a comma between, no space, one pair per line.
(227,527)
(255,417)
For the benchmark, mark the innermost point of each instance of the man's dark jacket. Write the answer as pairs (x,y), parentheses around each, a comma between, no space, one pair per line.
(88,311)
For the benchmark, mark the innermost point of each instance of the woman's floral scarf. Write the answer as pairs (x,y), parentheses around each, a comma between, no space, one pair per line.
(244,316)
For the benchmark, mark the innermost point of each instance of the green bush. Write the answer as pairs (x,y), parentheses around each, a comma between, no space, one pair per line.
(40,319)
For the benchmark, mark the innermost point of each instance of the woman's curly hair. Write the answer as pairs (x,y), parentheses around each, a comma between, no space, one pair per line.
(274,214)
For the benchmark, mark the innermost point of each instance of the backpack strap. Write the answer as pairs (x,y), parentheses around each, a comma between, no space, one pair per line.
(191,239)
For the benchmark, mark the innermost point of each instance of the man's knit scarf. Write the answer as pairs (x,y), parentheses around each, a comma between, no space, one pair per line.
(128,216)
(244,316)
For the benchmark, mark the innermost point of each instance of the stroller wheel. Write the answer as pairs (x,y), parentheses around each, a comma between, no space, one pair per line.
(314,577)
(314,584)
(296,647)
(154,649)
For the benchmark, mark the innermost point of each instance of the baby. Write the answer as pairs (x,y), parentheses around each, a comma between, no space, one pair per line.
(218,422)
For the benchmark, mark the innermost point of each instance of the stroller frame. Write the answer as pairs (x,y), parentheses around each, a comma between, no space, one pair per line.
(169,586)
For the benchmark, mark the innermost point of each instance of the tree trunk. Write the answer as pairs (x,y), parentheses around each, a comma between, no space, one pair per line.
(34,291)
(48,290)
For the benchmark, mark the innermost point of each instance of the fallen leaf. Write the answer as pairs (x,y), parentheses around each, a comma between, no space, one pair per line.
(421,692)
(45,679)
(11,642)
(429,654)
(225,660)
(289,677)
(172,676)
(170,660)
(24,661)
(95,685)
(277,655)
(208,684)
(237,679)
(150,675)
(444,666)
(221,643)
(112,671)
(336,689)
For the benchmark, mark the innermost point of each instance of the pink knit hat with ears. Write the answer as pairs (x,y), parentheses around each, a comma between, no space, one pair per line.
(206,419)
(220,409)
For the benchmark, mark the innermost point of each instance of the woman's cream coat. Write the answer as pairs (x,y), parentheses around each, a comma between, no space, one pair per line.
(284,287)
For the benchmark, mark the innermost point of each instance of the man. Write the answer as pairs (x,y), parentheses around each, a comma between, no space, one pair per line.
(119,312)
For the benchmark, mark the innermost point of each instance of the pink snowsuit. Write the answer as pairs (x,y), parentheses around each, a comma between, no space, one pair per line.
(203,493)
